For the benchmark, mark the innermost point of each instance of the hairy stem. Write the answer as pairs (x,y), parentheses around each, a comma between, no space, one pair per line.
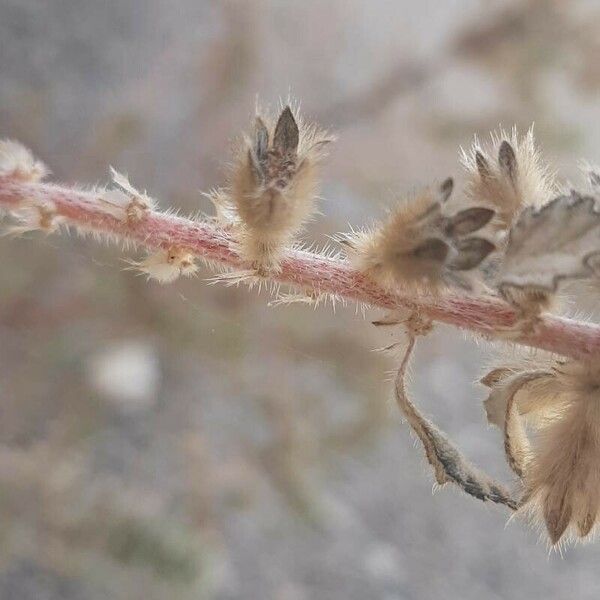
(485,315)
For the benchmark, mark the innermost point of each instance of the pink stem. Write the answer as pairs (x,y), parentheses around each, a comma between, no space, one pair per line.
(485,315)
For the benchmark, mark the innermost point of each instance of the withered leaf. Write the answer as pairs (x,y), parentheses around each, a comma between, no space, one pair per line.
(287,135)
(559,241)
(468,221)
(447,462)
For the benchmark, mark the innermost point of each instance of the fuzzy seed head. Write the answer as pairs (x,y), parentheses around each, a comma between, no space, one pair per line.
(420,247)
(507,174)
(17,162)
(274,184)
(404,249)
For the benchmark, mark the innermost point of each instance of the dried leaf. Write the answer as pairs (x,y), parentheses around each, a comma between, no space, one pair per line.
(448,463)
(554,243)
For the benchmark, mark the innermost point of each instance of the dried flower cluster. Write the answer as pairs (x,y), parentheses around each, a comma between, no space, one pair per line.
(273,186)
(559,402)
(489,260)
(420,245)
(509,175)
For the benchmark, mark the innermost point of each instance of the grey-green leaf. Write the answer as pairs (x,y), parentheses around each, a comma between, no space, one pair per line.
(559,241)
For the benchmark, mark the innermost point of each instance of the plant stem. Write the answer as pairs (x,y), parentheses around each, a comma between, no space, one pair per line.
(485,315)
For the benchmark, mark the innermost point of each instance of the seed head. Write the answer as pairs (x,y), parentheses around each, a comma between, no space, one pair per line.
(274,185)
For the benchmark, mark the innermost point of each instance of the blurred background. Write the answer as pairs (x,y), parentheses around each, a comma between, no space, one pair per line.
(188,441)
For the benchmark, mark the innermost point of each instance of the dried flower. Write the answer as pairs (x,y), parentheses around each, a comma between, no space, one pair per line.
(274,186)
(560,467)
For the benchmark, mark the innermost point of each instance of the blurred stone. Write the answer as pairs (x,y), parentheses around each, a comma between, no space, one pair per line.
(127,373)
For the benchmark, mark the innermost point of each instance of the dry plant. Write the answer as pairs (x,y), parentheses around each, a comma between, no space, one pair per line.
(489,261)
